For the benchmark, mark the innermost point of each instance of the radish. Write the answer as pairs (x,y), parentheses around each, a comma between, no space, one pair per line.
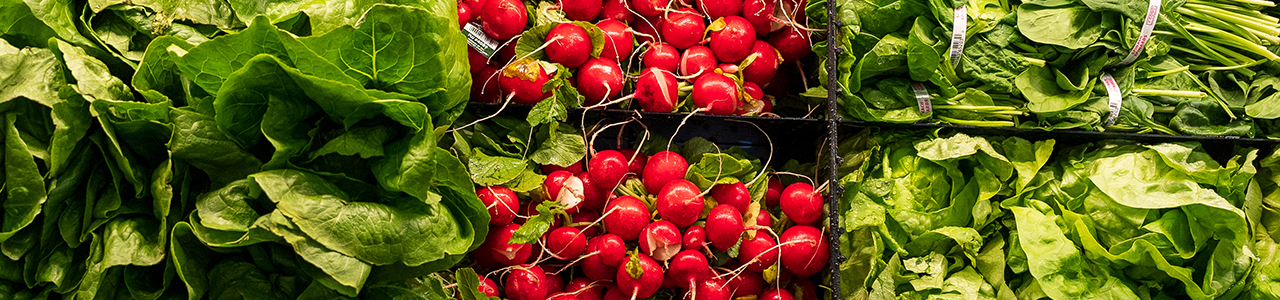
(804,250)
(596,270)
(639,277)
(501,201)
(776,294)
(759,13)
(484,85)
(657,91)
(688,267)
(728,68)
(667,283)
(650,8)
(608,168)
(663,167)
(804,290)
(599,79)
(801,203)
(554,183)
(697,60)
(712,289)
(626,216)
(524,79)
(614,293)
(464,14)
(715,9)
(527,282)
(574,168)
(649,30)
(571,194)
(635,162)
(746,283)
(792,43)
(566,243)
(725,224)
(587,216)
(487,287)
(569,45)
(759,103)
(477,62)
(474,5)
(554,283)
(584,289)
(610,248)
(502,251)
(758,253)
(680,202)
(593,195)
(735,194)
(662,56)
(731,37)
(695,237)
(616,10)
(683,28)
(507,53)
(660,240)
(563,296)
(764,219)
(618,41)
(716,93)
(765,64)
(774,193)
(581,10)
(503,19)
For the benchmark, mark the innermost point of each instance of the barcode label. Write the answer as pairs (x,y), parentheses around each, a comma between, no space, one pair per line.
(1148,24)
(922,98)
(1113,92)
(479,41)
(959,25)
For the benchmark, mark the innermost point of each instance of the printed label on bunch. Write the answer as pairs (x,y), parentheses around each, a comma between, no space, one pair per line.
(922,98)
(479,41)
(1148,24)
(959,25)
(1113,93)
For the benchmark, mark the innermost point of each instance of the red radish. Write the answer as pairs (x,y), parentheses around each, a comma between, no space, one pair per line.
(507,53)
(746,283)
(616,10)
(587,216)
(484,85)
(728,68)
(697,60)
(574,168)
(563,296)
(758,12)
(566,243)
(501,201)
(801,203)
(662,168)
(764,66)
(680,202)
(756,103)
(648,30)
(581,10)
(596,270)
(527,282)
(650,8)
(584,289)
(503,19)
(593,195)
(732,37)
(688,267)
(614,293)
(554,183)
(554,283)
(626,216)
(639,277)
(599,79)
(774,193)
(568,44)
(487,287)
(725,224)
(792,43)
(805,251)
(716,93)
(667,283)
(712,289)
(776,294)
(683,28)
(735,194)
(662,56)
(474,5)
(635,161)
(464,14)
(764,219)
(695,237)
(618,41)
(502,251)
(715,9)
(804,290)
(525,79)
(571,194)
(611,249)
(477,62)
(658,91)
(608,168)
(660,240)
(759,249)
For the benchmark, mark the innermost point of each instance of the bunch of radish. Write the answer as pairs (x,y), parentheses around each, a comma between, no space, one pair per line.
(634,226)
(710,56)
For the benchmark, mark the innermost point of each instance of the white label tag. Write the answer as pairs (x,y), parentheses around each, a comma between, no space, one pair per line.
(1113,92)
(1148,24)
(479,41)
(922,98)
(959,25)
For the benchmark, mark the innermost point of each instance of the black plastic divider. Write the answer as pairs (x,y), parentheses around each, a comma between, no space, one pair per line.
(834,189)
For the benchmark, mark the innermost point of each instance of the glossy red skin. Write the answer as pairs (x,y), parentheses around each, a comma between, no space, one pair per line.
(747,283)
(713,289)
(554,284)
(616,10)
(525,91)
(660,240)
(657,90)
(566,243)
(716,93)
(618,41)
(571,46)
(608,168)
(503,19)
(582,288)
(795,256)
(662,168)
(733,42)
(725,223)
(646,285)
(680,202)
(574,168)
(801,203)
(756,94)
(735,194)
(596,270)
(764,219)
(485,85)
(695,237)
(804,289)
(649,30)
(474,5)
(501,203)
(662,56)
(498,241)
(683,28)
(650,8)
(757,12)
(774,193)
(765,67)
(697,59)
(792,43)
(599,79)
(554,182)
(635,162)
(758,247)
(776,294)
(594,196)
(563,296)
(612,249)
(715,9)
(628,217)
(581,10)
(527,282)
(587,217)
(688,267)
(464,14)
